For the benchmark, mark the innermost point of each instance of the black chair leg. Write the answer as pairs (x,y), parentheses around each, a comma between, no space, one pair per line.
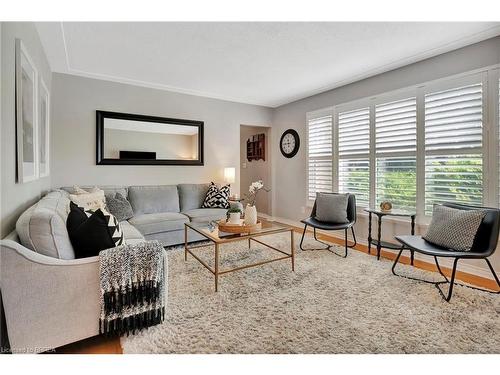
(469,286)
(345,237)
(327,247)
(314,233)
(354,238)
(333,252)
(436,284)
(302,239)
(396,262)
(451,282)
(439,268)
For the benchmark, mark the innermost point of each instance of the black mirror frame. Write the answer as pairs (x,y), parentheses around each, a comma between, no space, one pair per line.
(100,160)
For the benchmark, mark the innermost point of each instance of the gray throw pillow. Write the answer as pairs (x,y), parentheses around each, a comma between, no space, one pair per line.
(119,206)
(332,208)
(452,228)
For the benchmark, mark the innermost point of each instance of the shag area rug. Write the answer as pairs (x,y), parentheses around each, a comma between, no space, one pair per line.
(328,305)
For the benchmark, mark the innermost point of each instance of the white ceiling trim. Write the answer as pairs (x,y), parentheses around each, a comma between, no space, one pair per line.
(459,43)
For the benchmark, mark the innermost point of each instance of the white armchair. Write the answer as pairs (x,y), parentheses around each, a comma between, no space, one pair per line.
(48,302)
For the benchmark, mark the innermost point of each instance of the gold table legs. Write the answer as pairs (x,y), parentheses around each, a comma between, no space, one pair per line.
(217,272)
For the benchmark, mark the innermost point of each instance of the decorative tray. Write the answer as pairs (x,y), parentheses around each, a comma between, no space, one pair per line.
(238,228)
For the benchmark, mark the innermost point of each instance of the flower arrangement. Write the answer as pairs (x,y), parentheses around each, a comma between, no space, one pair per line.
(253,190)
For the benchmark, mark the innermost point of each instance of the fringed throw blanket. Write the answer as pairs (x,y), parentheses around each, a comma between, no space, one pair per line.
(132,281)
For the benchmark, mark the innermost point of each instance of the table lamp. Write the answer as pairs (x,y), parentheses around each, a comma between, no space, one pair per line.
(229,176)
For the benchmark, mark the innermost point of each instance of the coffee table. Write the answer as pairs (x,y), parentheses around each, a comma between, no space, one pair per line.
(218,238)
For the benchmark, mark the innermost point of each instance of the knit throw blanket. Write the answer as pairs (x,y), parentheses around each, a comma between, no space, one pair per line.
(132,279)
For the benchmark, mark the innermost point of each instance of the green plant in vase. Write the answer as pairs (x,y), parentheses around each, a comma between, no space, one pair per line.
(234,215)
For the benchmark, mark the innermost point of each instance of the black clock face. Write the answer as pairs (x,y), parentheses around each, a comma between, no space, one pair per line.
(289,143)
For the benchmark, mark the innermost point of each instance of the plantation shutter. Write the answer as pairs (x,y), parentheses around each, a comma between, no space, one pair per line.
(454,146)
(319,156)
(395,153)
(354,149)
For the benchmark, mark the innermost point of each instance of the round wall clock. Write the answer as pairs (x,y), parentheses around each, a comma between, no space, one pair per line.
(289,143)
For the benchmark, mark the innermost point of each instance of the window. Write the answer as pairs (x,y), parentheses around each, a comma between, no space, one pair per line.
(319,152)
(432,143)
(353,154)
(453,146)
(395,153)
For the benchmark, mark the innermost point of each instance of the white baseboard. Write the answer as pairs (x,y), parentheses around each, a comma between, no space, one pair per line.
(464,267)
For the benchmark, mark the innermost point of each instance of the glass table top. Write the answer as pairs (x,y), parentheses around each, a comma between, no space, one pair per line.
(215,235)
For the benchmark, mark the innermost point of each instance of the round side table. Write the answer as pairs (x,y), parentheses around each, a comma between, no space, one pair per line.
(378,242)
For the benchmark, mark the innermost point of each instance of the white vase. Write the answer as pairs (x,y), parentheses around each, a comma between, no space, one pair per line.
(250,215)
(234,217)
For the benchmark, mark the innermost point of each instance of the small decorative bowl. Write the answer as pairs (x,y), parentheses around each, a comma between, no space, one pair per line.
(386,206)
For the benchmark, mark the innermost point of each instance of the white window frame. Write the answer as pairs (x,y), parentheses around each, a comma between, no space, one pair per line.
(493,141)
(309,116)
(489,76)
(443,85)
(382,99)
(351,106)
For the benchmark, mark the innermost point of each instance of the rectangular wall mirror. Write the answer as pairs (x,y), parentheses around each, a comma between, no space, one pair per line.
(129,139)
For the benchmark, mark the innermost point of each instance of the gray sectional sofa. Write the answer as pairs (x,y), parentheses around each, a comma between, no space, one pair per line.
(160,211)
(50,298)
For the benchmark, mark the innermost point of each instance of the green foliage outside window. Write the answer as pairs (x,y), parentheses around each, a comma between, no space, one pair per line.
(456,179)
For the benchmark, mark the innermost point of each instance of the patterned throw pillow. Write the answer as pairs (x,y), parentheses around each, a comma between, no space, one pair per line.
(92,231)
(119,206)
(217,198)
(114,228)
(453,228)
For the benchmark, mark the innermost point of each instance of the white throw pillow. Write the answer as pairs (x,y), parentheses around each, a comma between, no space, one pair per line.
(92,200)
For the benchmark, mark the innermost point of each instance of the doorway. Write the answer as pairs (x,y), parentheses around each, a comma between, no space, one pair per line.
(255,163)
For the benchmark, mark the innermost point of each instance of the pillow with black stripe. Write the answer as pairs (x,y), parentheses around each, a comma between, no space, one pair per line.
(92,231)
(217,198)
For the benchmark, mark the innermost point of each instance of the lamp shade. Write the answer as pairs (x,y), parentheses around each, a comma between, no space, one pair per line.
(229,175)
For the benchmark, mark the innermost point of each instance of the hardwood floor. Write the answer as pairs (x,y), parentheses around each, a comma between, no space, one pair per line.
(92,345)
(102,345)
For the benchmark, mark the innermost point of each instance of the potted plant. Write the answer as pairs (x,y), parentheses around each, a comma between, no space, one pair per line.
(251,198)
(234,215)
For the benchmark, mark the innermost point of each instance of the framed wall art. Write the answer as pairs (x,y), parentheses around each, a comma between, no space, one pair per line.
(26,115)
(43,128)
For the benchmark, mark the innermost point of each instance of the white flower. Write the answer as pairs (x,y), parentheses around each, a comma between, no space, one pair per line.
(257,185)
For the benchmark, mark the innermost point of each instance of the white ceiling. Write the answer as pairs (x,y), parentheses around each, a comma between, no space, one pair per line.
(258,63)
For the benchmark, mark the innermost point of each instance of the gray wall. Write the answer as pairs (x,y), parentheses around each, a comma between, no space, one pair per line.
(75,100)
(254,170)
(289,175)
(15,198)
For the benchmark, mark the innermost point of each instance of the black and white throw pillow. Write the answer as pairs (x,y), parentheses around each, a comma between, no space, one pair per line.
(92,231)
(452,228)
(217,198)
